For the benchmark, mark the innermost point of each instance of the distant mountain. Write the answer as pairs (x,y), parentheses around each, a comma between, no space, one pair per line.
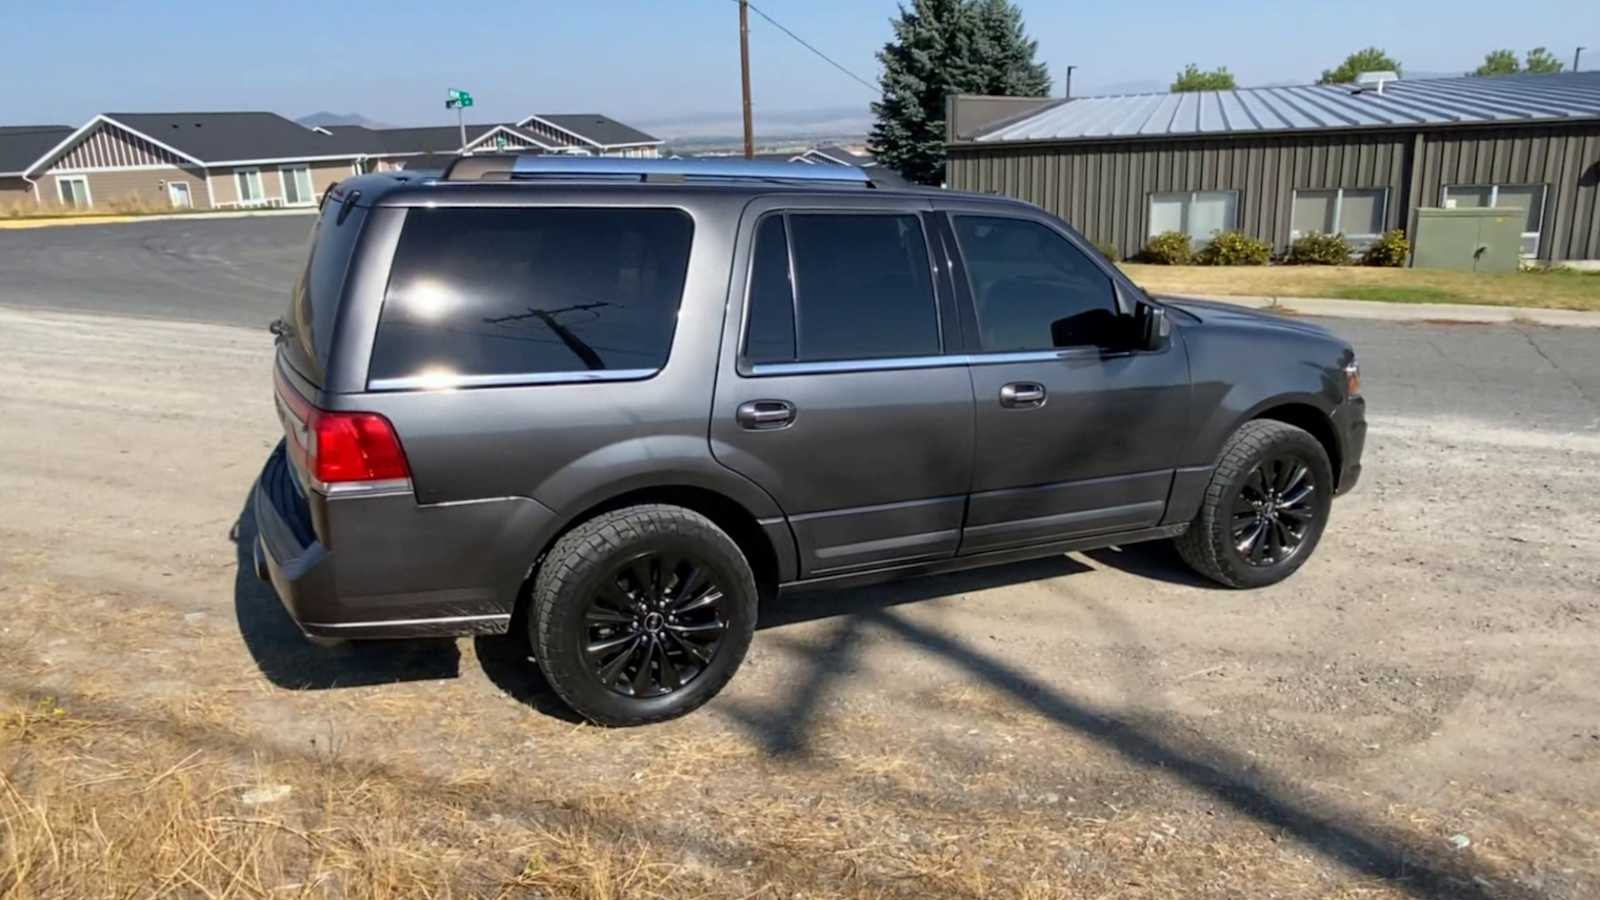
(769,123)
(325,118)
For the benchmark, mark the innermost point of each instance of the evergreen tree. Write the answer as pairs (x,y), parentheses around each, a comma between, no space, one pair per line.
(1541,62)
(1369,60)
(944,47)
(1192,79)
(1498,62)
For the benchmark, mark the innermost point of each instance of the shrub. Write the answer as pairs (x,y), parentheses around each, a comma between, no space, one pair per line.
(1389,250)
(1169,248)
(1234,248)
(1318,249)
(1108,249)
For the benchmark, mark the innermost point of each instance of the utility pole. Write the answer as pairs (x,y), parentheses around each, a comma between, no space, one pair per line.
(1577,55)
(744,77)
(1069,81)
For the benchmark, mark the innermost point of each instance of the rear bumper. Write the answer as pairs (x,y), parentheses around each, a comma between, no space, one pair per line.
(1350,419)
(385,566)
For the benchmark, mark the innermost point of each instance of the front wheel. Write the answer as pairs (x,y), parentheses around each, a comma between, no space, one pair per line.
(1265,508)
(642,614)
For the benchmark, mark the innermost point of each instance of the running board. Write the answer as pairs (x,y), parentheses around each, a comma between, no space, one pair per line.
(979,560)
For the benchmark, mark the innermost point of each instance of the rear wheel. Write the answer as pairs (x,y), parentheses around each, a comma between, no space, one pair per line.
(1265,508)
(642,614)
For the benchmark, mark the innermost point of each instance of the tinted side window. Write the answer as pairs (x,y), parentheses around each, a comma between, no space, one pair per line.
(1033,289)
(770,334)
(477,292)
(314,305)
(862,286)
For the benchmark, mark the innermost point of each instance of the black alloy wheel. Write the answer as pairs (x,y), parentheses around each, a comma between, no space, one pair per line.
(1273,511)
(654,624)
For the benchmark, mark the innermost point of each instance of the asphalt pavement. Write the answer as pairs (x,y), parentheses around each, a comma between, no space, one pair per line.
(240,272)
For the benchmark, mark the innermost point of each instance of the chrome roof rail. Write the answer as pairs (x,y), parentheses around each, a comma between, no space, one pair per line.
(609,168)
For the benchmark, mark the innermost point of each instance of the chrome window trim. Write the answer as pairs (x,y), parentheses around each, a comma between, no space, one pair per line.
(509,379)
(1000,357)
(745,368)
(888,363)
(360,488)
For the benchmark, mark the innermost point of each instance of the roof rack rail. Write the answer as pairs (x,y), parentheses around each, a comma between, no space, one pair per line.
(506,167)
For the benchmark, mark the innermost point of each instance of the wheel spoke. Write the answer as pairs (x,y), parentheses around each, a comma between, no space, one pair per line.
(603,646)
(710,598)
(642,573)
(691,583)
(669,672)
(691,648)
(1274,544)
(1297,474)
(609,672)
(1299,497)
(1248,545)
(641,677)
(615,597)
(1302,514)
(706,628)
(599,615)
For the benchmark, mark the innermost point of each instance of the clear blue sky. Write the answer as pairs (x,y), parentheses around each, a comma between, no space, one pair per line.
(649,61)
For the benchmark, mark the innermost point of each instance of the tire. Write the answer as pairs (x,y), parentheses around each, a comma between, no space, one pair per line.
(621,582)
(1258,461)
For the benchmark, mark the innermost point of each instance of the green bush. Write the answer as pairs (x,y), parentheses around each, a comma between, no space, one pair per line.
(1234,248)
(1318,249)
(1169,248)
(1389,250)
(1108,249)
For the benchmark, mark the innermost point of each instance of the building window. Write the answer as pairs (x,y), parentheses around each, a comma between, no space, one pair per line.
(249,181)
(296,185)
(1199,214)
(1356,213)
(73,191)
(1527,197)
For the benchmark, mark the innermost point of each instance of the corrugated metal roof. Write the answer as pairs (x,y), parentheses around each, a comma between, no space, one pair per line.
(1316,107)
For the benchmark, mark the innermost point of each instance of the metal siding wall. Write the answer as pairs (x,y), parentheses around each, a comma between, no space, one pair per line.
(1103,190)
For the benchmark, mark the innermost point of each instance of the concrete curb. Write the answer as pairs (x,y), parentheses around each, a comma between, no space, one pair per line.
(1410,312)
(116,219)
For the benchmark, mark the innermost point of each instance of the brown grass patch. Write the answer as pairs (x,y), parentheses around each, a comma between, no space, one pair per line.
(1553,290)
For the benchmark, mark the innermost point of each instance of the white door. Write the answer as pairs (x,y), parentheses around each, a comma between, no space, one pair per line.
(178,193)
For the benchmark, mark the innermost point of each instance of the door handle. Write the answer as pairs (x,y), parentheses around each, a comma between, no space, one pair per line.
(1022,395)
(760,415)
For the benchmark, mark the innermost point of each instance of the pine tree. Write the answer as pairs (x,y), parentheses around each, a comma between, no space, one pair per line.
(944,47)
(1193,79)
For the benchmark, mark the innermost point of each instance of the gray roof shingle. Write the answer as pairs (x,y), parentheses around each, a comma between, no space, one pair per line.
(213,137)
(1433,101)
(21,145)
(602,130)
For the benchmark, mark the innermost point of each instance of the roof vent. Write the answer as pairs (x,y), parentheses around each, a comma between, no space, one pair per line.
(1374,81)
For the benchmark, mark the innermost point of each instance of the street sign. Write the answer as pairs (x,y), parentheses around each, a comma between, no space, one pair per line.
(458,99)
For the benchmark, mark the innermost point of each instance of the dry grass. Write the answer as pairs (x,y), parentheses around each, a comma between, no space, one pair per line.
(1563,289)
(129,205)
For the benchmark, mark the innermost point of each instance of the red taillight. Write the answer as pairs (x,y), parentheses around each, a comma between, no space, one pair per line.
(355,446)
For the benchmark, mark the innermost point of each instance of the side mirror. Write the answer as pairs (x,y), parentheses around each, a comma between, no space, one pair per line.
(1152,328)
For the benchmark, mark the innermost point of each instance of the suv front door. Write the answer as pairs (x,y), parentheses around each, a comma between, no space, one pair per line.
(843,392)
(1078,432)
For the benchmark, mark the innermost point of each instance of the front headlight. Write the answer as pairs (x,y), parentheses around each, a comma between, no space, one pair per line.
(1352,379)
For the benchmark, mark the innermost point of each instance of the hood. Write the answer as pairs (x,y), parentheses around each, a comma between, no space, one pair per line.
(1229,314)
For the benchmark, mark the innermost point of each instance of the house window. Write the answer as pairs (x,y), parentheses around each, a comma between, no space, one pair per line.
(296,185)
(1199,214)
(1356,213)
(73,191)
(249,181)
(1527,197)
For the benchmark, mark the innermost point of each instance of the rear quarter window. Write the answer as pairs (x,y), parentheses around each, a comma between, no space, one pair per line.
(498,296)
(314,303)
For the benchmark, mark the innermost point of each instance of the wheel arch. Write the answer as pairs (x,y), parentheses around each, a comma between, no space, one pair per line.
(767,544)
(1310,418)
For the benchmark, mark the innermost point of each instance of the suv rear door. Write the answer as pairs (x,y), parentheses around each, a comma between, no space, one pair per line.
(1078,432)
(843,391)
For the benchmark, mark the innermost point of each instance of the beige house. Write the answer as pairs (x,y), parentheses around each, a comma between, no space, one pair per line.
(253,160)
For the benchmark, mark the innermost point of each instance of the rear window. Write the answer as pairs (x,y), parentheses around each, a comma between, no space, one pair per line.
(314,305)
(494,296)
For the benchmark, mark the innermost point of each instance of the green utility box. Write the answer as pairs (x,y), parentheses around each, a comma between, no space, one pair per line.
(1468,240)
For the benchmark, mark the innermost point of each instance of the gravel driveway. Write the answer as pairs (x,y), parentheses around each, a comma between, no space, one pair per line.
(1416,713)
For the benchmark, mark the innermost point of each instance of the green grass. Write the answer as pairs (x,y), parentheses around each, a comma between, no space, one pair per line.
(1555,289)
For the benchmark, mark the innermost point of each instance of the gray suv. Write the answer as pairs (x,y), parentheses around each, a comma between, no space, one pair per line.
(617,401)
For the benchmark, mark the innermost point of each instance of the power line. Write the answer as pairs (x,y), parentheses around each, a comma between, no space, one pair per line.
(802,42)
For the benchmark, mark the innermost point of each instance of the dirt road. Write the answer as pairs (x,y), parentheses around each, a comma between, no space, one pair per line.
(1416,713)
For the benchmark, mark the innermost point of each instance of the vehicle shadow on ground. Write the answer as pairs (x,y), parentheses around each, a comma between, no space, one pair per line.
(1154,560)
(1402,860)
(289,660)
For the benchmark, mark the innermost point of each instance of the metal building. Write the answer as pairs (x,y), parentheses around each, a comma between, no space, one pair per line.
(1277,162)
